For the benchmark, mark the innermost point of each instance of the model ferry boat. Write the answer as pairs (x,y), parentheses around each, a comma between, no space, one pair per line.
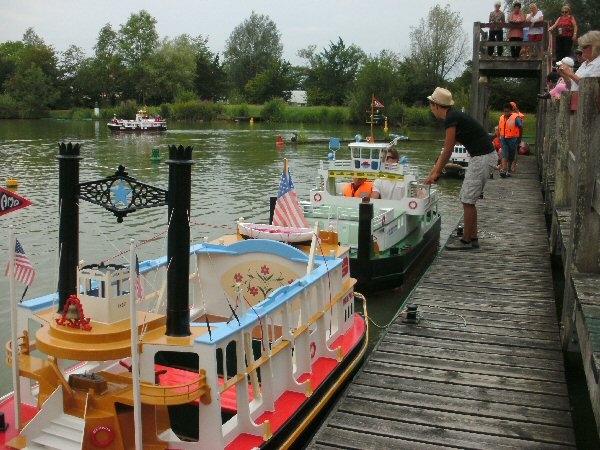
(458,162)
(388,238)
(251,344)
(141,124)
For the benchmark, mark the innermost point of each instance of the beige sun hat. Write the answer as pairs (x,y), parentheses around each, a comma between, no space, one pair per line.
(442,97)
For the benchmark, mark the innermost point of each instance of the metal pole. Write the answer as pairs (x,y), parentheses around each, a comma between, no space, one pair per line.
(135,357)
(12,244)
(68,232)
(178,243)
(365,239)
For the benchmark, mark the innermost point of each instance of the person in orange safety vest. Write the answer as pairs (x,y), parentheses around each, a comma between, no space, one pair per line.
(510,128)
(359,187)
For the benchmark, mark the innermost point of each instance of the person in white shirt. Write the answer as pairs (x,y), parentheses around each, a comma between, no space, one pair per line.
(590,67)
(388,189)
(536,30)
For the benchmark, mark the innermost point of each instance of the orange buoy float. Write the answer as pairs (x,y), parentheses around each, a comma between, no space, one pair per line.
(279,142)
(12,183)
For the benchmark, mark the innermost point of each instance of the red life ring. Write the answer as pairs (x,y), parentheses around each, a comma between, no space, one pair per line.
(383,220)
(412,204)
(313,349)
(110,436)
(317,197)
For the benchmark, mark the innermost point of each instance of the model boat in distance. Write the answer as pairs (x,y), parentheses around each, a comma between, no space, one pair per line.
(458,162)
(143,123)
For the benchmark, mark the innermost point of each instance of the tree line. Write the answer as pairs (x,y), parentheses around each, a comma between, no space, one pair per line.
(132,63)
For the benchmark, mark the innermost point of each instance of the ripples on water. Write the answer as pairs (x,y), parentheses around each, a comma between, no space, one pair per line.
(237,168)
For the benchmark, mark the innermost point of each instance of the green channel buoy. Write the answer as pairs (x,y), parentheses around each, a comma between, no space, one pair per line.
(155,154)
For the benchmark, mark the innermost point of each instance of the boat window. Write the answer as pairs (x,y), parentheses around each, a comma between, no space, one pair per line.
(357,163)
(375,165)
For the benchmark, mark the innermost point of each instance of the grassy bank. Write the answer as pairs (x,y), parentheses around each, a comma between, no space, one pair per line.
(275,111)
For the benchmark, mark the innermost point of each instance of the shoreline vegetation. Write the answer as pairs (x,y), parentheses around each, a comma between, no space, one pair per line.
(274,111)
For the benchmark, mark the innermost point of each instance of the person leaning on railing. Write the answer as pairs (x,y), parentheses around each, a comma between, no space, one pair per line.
(566,32)
(590,67)
(516,21)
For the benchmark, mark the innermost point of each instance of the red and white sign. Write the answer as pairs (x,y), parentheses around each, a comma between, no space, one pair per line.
(9,201)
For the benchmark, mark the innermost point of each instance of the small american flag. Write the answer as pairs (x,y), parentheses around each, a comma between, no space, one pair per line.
(139,291)
(24,271)
(288,212)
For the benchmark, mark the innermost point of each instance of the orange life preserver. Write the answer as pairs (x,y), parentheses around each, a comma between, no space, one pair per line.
(106,442)
(365,188)
(508,128)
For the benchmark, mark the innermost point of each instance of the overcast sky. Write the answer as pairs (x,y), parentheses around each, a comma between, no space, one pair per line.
(372,25)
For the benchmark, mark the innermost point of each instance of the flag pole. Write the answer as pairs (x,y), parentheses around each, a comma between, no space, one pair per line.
(135,357)
(285,169)
(12,245)
(372,118)
(313,249)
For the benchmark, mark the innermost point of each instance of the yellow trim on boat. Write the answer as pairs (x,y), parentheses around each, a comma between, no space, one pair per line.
(356,174)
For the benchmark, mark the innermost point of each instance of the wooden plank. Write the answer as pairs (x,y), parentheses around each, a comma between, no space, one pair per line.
(484,367)
(408,381)
(453,354)
(547,358)
(464,422)
(468,406)
(403,434)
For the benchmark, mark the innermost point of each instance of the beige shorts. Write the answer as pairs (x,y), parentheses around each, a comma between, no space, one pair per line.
(476,176)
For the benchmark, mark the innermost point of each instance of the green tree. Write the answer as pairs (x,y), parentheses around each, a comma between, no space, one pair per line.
(32,76)
(174,67)
(107,68)
(253,47)
(381,76)
(9,56)
(32,89)
(277,81)
(137,42)
(70,63)
(437,46)
(332,73)
(211,79)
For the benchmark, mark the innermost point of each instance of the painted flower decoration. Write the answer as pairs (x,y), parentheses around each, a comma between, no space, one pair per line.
(238,277)
(290,281)
(265,270)
(254,291)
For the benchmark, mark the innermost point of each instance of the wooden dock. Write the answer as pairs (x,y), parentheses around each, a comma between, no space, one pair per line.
(483,368)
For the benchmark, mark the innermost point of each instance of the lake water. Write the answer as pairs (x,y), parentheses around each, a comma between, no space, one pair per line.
(237,168)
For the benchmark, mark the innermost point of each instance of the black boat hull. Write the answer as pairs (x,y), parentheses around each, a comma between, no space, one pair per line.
(378,273)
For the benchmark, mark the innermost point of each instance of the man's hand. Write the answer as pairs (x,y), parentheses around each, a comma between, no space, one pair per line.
(432,178)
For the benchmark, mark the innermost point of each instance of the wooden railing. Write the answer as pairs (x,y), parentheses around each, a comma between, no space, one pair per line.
(569,162)
(481,36)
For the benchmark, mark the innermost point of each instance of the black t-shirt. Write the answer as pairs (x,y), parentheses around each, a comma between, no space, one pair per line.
(469,133)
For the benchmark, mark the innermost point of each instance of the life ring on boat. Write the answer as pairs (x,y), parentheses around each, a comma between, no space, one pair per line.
(110,436)
(412,204)
(313,349)
(317,197)
(383,220)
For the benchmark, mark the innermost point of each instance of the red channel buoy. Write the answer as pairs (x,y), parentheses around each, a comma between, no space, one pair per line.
(279,142)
